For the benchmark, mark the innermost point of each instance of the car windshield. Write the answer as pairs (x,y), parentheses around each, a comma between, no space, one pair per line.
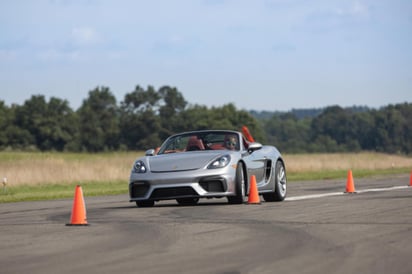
(201,141)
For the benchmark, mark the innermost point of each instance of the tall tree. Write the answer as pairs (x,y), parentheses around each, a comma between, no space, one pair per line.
(225,117)
(172,103)
(288,133)
(139,123)
(4,122)
(99,121)
(50,123)
(406,111)
(336,124)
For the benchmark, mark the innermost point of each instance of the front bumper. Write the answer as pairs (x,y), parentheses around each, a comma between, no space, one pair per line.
(166,186)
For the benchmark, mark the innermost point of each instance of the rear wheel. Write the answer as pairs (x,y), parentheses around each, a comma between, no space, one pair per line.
(240,186)
(145,203)
(187,201)
(280,184)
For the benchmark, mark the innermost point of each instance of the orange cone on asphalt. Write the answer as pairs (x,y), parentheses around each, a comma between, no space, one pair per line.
(78,216)
(350,186)
(253,192)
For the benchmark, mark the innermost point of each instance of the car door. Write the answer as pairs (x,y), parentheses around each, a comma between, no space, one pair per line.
(256,163)
(260,165)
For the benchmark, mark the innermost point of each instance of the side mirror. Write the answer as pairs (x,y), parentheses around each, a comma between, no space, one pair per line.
(254,146)
(150,152)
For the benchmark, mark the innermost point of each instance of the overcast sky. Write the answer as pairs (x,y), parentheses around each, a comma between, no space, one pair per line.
(257,54)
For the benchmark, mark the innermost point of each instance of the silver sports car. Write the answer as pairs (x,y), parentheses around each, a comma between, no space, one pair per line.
(207,164)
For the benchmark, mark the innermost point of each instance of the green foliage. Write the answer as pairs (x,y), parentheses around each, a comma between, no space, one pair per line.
(288,133)
(45,125)
(139,123)
(339,130)
(4,122)
(146,117)
(99,121)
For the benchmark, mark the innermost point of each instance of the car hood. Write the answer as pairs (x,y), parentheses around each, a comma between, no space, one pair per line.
(182,161)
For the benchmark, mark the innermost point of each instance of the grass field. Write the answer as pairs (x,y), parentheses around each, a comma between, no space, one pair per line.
(39,176)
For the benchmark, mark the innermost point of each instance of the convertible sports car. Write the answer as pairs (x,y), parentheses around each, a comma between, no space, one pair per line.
(207,164)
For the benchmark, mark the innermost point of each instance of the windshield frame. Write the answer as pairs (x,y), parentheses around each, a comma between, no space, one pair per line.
(210,140)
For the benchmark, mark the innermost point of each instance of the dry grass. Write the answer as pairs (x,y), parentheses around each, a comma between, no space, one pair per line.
(345,161)
(61,168)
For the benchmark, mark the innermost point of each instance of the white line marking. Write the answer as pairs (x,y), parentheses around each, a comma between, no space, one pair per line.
(314,196)
(382,189)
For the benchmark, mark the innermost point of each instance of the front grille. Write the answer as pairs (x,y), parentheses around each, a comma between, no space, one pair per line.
(139,190)
(173,192)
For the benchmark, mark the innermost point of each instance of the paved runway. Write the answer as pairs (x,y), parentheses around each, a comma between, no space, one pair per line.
(311,232)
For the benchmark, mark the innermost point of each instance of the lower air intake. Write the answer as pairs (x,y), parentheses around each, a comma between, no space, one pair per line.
(173,192)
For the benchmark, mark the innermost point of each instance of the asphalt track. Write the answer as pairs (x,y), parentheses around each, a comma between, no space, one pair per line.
(317,230)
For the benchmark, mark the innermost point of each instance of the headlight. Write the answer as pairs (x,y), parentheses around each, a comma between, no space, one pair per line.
(139,167)
(220,162)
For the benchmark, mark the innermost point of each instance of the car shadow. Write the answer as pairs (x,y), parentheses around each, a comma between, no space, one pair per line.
(173,204)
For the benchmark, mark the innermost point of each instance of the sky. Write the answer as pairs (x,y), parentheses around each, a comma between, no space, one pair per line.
(264,55)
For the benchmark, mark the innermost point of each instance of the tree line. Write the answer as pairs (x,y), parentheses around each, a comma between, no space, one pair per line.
(142,120)
(145,117)
(336,129)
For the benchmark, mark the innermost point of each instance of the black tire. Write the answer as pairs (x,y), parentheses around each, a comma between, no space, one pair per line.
(280,184)
(240,186)
(187,201)
(145,203)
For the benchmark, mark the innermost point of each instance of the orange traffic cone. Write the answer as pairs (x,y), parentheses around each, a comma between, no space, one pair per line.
(247,134)
(350,187)
(410,180)
(253,192)
(78,216)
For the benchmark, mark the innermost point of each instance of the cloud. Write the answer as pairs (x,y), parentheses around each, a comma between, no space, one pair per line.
(85,36)
(360,9)
(356,9)
(7,55)
(51,55)
(334,18)
(176,45)
(283,47)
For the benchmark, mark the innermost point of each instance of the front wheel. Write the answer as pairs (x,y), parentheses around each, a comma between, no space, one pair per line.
(240,187)
(280,184)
